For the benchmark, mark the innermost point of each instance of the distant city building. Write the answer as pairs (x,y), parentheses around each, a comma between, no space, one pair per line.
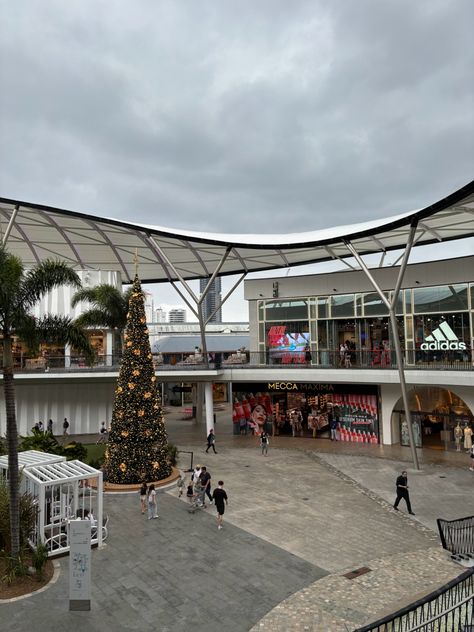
(177,315)
(149,309)
(212,300)
(160,315)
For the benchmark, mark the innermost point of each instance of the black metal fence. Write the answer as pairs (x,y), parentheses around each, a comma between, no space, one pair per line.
(457,536)
(448,609)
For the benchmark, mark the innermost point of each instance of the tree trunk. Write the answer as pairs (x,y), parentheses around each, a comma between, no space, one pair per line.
(12,445)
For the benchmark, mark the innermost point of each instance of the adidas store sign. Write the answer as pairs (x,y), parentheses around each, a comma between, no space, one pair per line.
(443,339)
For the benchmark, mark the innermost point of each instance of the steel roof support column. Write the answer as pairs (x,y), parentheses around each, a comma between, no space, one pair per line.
(10,225)
(392,306)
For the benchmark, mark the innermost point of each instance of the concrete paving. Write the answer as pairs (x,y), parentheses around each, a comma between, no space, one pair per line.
(297,521)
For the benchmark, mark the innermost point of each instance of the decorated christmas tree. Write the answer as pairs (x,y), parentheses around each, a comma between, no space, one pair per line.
(137,447)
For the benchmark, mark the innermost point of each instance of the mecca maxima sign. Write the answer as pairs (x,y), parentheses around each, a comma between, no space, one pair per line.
(443,339)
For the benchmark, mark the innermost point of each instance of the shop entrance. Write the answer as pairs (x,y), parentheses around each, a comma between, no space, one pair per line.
(337,411)
(441,420)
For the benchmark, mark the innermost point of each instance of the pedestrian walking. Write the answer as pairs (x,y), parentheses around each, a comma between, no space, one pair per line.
(220,501)
(180,485)
(190,492)
(196,474)
(264,443)
(102,434)
(205,480)
(49,427)
(402,492)
(152,506)
(471,456)
(40,426)
(211,441)
(65,427)
(143,495)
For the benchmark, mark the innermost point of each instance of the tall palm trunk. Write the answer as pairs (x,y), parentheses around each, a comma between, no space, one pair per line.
(12,443)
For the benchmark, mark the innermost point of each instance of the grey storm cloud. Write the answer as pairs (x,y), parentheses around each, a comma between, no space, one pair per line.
(246,116)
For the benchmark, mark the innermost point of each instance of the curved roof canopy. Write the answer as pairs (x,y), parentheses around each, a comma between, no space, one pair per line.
(35,232)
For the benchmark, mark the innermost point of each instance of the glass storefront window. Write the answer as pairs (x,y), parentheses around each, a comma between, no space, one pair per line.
(444,298)
(399,307)
(287,310)
(323,307)
(358,304)
(287,342)
(374,306)
(342,306)
(442,338)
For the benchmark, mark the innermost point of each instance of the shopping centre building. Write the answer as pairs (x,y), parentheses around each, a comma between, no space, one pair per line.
(323,350)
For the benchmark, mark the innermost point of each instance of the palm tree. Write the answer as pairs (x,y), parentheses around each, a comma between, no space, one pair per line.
(20,290)
(109,309)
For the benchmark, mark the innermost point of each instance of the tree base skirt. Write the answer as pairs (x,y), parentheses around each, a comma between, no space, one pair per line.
(117,487)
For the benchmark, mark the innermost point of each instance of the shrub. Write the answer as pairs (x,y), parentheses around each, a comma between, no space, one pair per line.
(39,557)
(172,454)
(41,441)
(74,450)
(28,514)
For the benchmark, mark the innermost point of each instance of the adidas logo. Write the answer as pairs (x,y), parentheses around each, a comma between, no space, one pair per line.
(443,339)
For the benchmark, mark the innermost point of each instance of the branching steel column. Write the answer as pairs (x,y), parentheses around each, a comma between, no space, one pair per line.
(392,305)
(10,225)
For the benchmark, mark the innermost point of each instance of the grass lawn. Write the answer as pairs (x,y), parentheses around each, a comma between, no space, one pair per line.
(95,452)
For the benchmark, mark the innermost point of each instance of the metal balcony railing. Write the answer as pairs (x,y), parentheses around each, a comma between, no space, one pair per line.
(448,609)
(326,359)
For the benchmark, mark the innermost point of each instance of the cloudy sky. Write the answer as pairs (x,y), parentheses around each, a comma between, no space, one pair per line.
(249,116)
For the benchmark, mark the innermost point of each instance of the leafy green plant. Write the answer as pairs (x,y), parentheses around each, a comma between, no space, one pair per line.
(15,567)
(74,450)
(41,441)
(172,454)
(39,557)
(28,515)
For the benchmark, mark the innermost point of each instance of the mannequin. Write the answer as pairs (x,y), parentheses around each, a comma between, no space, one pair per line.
(458,436)
(467,437)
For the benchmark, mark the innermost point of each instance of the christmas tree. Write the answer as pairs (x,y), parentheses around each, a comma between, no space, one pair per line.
(137,447)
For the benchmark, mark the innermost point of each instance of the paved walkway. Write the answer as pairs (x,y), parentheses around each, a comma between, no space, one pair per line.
(297,521)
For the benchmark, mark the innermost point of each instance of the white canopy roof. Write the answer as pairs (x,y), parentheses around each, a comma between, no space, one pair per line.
(86,241)
(61,472)
(31,458)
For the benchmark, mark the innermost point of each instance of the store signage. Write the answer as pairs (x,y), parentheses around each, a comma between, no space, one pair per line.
(294,386)
(443,339)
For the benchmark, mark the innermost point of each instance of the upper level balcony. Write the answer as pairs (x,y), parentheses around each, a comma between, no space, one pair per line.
(326,359)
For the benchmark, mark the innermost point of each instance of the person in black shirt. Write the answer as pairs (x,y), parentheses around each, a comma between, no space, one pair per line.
(402,492)
(205,480)
(220,501)
(211,441)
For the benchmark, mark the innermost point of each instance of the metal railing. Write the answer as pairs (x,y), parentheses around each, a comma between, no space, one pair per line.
(449,609)
(457,536)
(327,359)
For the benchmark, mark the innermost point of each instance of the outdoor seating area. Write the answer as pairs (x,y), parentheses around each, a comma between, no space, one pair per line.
(63,491)
(239,357)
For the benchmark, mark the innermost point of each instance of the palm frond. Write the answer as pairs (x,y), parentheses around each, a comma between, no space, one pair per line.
(63,330)
(95,318)
(45,277)
(11,271)
(107,299)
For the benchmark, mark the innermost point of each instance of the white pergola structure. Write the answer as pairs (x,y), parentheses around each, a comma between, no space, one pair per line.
(34,232)
(63,491)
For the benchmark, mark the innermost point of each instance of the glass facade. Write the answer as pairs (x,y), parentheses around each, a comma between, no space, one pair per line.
(435,325)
